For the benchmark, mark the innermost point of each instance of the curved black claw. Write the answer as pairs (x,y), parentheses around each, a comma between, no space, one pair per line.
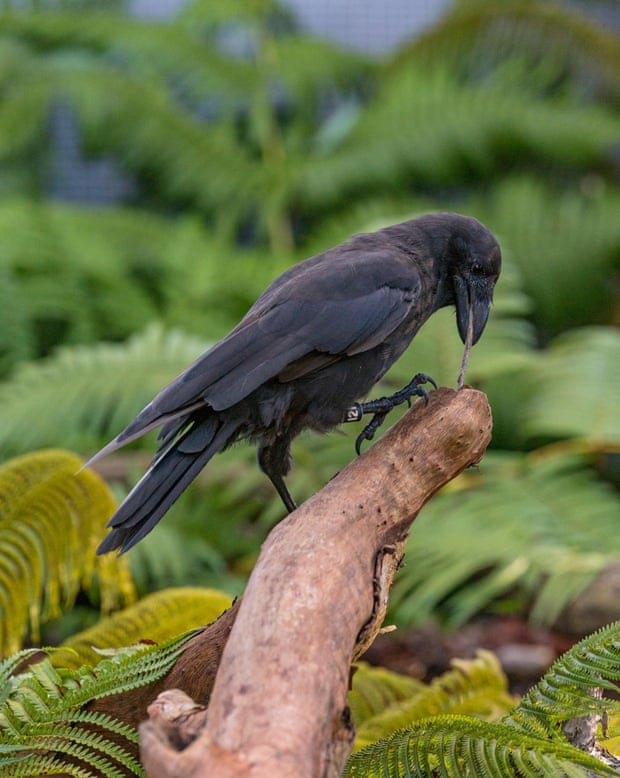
(414,388)
(381,407)
(369,430)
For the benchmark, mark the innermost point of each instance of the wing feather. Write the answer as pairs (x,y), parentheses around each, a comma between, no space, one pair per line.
(342,308)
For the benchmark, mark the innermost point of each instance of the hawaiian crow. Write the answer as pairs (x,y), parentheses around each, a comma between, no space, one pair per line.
(311,346)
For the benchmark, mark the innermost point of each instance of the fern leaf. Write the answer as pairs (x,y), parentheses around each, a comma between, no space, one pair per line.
(89,274)
(549,232)
(44,728)
(461,745)
(459,131)
(223,11)
(474,687)
(593,415)
(545,527)
(145,127)
(156,617)
(564,691)
(373,689)
(16,343)
(51,518)
(94,390)
(134,667)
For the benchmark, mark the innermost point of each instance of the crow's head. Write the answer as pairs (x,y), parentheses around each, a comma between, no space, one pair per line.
(475,261)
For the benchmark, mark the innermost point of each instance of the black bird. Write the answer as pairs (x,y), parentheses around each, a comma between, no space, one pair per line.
(311,346)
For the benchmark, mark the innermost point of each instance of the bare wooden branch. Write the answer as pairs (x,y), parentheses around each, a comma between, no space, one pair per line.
(315,600)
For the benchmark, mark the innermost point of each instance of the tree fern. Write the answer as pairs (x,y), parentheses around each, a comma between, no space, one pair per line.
(45,728)
(153,129)
(51,520)
(158,51)
(147,130)
(187,49)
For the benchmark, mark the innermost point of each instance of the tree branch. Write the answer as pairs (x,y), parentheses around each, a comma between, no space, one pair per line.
(314,602)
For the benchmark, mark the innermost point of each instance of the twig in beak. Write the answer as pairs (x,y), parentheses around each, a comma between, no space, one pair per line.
(468,341)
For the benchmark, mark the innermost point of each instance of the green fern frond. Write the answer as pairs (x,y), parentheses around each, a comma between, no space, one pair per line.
(94,390)
(464,746)
(313,65)
(51,520)
(426,128)
(156,618)
(8,667)
(473,687)
(200,542)
(549,232)
(224,11)
(564,691)
(104,273)
(542,526)
(556,410)
(45,730)
(158,51)
(148,132)
(23,114)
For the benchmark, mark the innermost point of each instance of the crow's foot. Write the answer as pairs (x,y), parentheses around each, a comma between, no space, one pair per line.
(381,407)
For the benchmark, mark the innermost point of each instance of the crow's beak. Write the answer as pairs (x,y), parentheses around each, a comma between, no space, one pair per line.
(475,301)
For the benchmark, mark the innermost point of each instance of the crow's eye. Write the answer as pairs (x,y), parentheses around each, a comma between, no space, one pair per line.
(476,267)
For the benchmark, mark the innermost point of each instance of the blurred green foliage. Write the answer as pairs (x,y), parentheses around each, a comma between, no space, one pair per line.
(244,145)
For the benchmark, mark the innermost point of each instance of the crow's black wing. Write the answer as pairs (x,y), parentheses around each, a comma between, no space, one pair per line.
(333,309)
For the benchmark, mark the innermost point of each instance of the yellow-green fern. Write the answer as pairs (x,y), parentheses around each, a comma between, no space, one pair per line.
(157,617)
(475,687)
(51,520)
(375,689)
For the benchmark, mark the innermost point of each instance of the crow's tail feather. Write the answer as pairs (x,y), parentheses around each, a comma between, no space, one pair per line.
(165,480)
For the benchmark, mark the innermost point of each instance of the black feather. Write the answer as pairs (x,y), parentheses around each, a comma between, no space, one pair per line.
(314,343)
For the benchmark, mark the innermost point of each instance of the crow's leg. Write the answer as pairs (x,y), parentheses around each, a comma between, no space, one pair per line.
(274,460)
(381,407)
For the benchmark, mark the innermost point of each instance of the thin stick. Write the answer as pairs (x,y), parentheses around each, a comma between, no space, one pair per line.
(468,340)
